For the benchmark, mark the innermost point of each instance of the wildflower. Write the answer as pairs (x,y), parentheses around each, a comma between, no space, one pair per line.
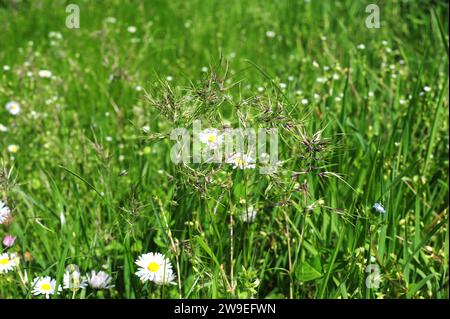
(154,267)
(169,78)
(290,78)
(248,214)
(44,286)
(426,88)
(260,89)
(379,208)
(55,35)
(5,213)
(73,280)
(270,34)
(13,148)
(132,29)
(7,262)
(13,107)
(138,88)
(204,69)
(99,280)
(8,241)
(3,128)
(110,20)
(45,74)
(304,101)
(241,161)
(6,68)
(283,86)
(211,138)
(361,47)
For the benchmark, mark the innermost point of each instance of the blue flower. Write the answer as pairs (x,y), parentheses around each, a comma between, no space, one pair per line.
(379,208)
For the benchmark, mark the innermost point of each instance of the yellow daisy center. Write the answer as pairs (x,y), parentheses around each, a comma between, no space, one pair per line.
(212,138)
(153,266)
(4,261)
(46,287)
(239,162)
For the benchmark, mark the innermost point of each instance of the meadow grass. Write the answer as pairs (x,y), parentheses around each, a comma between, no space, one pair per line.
(92,182)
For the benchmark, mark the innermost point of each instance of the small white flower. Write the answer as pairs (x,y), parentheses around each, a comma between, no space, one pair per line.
(204,69)
(45,74)
(304,101)
(44,286)
(290,78)
(132,29)
(138,88)
(6,68)
(7,262)
(270,34)
(5,213)
(211,137)
(99,280)
(55,35)
(108,138)
(3,128)
(241,161)
(248,214)
(260,88)
(321,79)
(73,280)
(371,94)
(155,267)
(13,148)
(13,107)
(110,20)
(426,88)
(283,86)
(361,47)
(169,78)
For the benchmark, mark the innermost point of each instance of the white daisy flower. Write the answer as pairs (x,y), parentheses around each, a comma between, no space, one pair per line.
(73,280)
(44,286)
(13,107)
(5,213)
(3,128)
(270,34)
(155,267)
(211,137)
(13,148)
(99,280)
(241,161)
(248,214)
(132,29)
(45,74)
(7,262)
